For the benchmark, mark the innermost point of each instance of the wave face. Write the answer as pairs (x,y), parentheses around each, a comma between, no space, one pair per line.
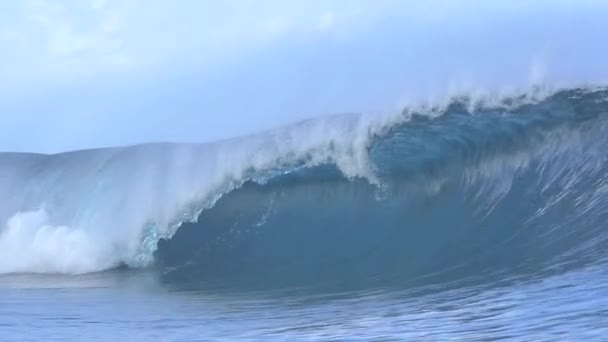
(518,186)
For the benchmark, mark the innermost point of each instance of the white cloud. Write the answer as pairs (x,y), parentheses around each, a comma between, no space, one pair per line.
(111,22)
(9,36)
(99,5)
(64,38)
(326,20)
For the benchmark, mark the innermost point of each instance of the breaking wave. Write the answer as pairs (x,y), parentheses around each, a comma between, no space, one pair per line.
(518,184)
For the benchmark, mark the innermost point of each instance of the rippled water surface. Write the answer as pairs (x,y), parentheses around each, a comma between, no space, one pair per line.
(137,307)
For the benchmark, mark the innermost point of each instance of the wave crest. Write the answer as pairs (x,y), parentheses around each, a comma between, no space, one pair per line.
(112,206)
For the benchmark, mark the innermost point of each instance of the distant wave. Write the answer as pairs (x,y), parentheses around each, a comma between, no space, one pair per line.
(517,185)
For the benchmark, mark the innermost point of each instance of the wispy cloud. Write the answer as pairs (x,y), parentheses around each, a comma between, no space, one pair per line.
(326,20)
(49,37)
(79,38)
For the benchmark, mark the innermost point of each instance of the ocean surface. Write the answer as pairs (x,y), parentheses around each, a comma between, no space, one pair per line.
(473,219)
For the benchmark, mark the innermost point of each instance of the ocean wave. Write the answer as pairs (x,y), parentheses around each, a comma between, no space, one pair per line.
(504,184)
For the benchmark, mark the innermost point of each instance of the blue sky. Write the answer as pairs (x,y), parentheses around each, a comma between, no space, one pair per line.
(90,73)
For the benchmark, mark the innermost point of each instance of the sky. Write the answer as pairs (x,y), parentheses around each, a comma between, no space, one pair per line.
(94,73)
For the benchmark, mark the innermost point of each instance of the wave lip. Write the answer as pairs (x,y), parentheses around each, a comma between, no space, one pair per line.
(518,165)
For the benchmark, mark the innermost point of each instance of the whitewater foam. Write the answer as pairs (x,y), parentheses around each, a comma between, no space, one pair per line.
(29,243)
